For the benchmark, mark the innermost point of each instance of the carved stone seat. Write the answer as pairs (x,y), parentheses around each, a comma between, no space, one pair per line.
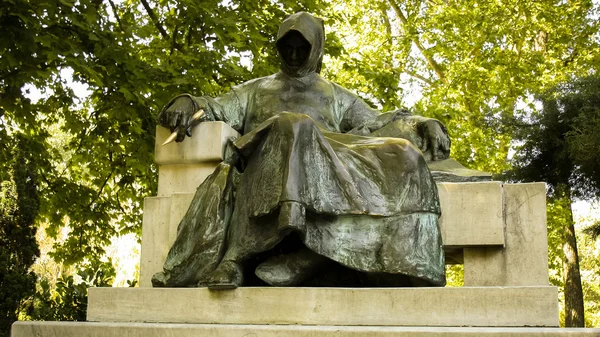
(498,231)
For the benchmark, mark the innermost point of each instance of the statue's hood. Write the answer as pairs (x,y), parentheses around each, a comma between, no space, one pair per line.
(312,30)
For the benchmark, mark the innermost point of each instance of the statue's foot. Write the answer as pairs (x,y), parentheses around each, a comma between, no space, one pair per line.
(289,270)
(160,279)
(229,275)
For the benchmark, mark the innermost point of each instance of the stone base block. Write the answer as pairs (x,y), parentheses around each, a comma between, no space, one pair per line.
(159,231)
(465,306)
(524,259)
(206,144)
(471,214)
(78,329)
(178,178)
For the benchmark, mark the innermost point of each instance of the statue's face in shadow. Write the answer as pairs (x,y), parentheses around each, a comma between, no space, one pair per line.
(294,49)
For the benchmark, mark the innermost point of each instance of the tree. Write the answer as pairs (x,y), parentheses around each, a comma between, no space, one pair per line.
(560,147)
(470,62)
(19,207)
(590,270)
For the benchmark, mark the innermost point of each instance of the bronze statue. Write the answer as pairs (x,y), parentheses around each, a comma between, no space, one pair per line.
(321,189)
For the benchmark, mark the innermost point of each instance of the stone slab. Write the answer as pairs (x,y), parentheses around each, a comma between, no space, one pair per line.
(471,214)
(78,329)
(524,259)
(206,144)
(155,231)
(464,306)
(159,230)
(182,178)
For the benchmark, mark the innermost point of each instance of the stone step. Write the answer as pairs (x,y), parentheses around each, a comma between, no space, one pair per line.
(78,329)
(465,306)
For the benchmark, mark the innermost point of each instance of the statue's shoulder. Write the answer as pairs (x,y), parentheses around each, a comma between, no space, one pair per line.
(254,82)
(342,92)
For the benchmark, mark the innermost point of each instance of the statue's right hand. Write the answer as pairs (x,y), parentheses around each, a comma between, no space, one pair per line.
(177,116)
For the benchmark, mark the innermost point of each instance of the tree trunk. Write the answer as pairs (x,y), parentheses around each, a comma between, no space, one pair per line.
(574,313)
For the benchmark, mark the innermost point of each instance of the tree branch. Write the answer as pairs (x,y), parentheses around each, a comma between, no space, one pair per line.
(188,37)
(156,22)
(432,63)
(114,9)
(386,20)
(174,44)
(417,76)
(101,189)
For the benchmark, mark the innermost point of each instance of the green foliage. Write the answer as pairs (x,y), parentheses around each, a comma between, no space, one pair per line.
(560,143)
(558,212)
(593,230)
(472,62)
(18,248)
(455,275)
(589,249)
(365,60)
(67,300)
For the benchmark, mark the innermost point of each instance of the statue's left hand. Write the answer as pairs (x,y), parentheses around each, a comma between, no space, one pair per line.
(436,142)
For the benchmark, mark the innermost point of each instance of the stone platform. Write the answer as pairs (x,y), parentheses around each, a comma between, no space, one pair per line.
(464,306)
(78,329)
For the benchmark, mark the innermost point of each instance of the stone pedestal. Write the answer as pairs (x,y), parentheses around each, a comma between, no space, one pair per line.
(77,329)
(443,307)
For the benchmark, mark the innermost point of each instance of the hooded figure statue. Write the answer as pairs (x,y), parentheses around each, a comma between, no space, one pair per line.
(321,189)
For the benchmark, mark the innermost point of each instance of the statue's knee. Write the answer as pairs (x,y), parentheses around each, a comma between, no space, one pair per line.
(292,120)
(294,116)
(410,156)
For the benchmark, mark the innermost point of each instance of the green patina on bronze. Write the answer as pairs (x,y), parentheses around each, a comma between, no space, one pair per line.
(321,189)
